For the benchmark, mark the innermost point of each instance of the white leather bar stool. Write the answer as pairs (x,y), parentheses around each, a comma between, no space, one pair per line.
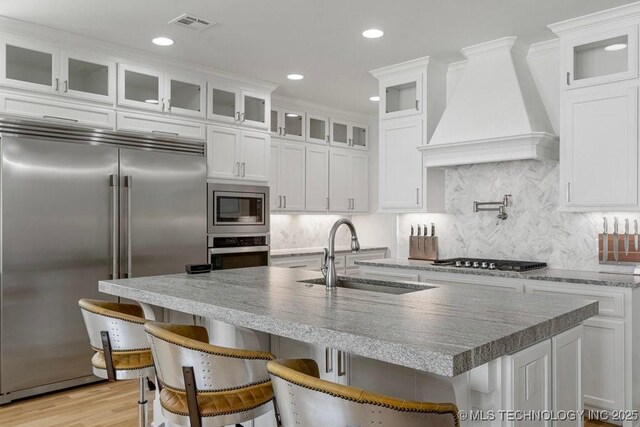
(122,350)
(303,399)
(203,385)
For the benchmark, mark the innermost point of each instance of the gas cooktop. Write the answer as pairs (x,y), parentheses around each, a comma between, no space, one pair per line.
(491,264)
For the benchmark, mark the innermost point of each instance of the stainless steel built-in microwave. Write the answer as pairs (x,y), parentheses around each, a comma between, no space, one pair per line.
(234,209)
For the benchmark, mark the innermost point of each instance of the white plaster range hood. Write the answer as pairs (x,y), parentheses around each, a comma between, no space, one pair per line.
(496,113)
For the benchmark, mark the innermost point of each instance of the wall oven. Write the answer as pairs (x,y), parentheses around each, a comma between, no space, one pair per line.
(237,209)
(238,252)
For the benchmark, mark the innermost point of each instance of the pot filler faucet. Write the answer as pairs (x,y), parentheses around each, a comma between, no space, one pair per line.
(329,267)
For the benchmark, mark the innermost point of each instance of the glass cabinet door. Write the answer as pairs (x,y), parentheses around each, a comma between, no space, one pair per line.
(223,103)
(359,137)
(294,125)
(29,66)
(254,109)
(185,97)
(140,87)
(88,78)
(318,129)
(602,58)
(275,123)
(340,134)
(402,97)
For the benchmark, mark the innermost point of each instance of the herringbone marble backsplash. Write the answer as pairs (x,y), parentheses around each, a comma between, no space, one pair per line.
(535,229)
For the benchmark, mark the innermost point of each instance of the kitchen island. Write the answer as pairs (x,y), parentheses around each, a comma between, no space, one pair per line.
(483,343)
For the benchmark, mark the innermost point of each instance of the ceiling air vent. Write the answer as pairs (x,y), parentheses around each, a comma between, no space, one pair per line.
(187,20)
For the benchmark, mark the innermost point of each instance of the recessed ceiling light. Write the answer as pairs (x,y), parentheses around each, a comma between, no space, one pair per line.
(374,98)
(372,33)
(162,41)
(616,46)
(151,101)
(295,77)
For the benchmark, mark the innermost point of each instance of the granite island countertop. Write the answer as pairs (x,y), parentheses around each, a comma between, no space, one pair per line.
(546,274)
(435,329)
(281,253)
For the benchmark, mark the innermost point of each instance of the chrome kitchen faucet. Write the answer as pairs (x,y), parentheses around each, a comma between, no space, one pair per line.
(329,267)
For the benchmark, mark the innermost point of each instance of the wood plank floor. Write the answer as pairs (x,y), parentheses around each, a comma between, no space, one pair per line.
(98,405)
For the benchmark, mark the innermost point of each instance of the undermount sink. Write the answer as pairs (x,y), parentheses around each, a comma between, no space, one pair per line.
(369,285)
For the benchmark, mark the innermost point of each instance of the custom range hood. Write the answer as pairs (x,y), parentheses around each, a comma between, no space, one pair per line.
(496,113)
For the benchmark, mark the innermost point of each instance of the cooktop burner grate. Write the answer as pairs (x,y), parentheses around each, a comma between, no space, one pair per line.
(491,264)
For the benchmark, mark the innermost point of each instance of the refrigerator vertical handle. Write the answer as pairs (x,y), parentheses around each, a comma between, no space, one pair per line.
(113,184)
(128,184)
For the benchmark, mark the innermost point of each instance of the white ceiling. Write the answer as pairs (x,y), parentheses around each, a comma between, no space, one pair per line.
(321,39)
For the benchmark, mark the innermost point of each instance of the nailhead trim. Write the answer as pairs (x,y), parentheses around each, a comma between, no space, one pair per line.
(215,353)
(220,390)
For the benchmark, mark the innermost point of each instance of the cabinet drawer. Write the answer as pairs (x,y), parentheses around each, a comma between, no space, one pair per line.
(304,262)
(385,275)
(352,258)
(160,125)
(58,112)
(611,304)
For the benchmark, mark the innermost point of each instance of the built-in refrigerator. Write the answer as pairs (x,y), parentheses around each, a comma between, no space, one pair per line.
(78,206)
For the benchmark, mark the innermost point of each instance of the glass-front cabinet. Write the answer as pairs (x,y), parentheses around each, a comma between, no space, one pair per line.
(140,87)
(359,137)
(35,65)
(254,108)
(242,107)
(340,134)
(184,95)
(318,131)
(601,58)
(401,96)
(288,123)
(349,135)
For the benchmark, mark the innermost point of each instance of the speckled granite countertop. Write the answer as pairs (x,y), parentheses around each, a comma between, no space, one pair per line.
(435,329)
(547,274)
(279,253)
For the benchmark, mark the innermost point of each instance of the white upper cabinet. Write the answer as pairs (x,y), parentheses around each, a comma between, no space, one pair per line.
(602,57)
(238,155)
(599,158)
(288,123)
(359,182)
(153,89)
(318,131)
(348,181)
(288,182)
(274,168)
(230,104)
(317,182)
(359,137)
(401,95)
(38,66)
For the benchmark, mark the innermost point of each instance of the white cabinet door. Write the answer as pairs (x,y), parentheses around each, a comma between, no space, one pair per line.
(254,109)
(141,87)
(29,65)
(223,103)
(255,151)
(400,164)
(185,95)
(359,181)
(599,161)
(291,176)
(294,124)
(89,77)
(318,129)
(567,374)
(359,137)
(528,379)
(274,168)
(317,182)
(339,200)
(603,380)
(160,125)
(223,153)
(340,133)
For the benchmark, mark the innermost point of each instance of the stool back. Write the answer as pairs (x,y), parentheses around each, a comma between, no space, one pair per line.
(304,399)
(123,322)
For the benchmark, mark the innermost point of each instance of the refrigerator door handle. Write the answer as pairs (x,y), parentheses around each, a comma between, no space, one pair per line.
(113,184)
(128,184)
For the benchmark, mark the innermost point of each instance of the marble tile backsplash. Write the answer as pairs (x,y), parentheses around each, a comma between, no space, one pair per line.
(305,231)
(535,229)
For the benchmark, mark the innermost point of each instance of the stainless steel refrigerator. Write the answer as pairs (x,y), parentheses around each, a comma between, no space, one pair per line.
(79,206)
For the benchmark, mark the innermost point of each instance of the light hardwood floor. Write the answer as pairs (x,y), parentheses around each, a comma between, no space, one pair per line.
(99,405)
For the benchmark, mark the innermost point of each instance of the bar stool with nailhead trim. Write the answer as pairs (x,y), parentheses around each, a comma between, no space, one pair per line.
(122,350)
(206,385)
(306,400)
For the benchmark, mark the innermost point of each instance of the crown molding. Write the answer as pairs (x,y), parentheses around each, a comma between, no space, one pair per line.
(608,16)
(510,44)
(314,108)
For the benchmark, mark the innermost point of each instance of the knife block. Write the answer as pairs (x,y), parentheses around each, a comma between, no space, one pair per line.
(632,258)
(423,248)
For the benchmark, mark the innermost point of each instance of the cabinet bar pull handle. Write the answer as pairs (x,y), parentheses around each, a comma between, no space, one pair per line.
(327,203)
(242,118)
(279,130)
(237,116)
(60,118)
(162,132)
(341,370)
(244,168)
(568,78)
(327,139)
(279,201)
(417,196)
(168,104)
(285,202)
(568,192)
(57,84)
(328,361)
(417,104)
(66,86)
